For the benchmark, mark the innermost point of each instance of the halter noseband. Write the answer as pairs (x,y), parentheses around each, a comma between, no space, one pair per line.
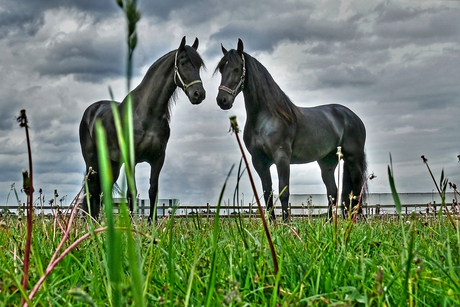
(239,85)
(177,75)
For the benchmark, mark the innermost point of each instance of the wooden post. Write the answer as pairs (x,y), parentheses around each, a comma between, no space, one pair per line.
(207,209)
(164,209)
(377,209)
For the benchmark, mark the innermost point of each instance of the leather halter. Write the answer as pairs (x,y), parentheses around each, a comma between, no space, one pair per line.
(183,85)
(239,85)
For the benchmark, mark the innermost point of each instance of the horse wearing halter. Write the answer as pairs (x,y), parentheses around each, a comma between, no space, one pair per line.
(177,75)
(239,85)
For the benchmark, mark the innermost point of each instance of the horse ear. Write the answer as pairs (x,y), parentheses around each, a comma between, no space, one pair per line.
(182,44)
(240,46)
(224,51)
(196,43)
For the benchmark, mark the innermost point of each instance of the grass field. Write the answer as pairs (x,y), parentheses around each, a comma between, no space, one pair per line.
(385,262)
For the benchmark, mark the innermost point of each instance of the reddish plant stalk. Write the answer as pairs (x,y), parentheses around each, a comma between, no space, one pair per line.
(234,127)
(28,186)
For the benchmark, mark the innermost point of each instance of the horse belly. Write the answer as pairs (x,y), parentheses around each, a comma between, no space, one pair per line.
(312,148)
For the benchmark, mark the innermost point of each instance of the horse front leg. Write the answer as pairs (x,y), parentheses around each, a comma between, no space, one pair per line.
(155,168)
(94,189)
(263,170)
(131,196)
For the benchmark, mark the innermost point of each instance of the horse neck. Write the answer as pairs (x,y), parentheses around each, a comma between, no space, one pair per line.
(263,96)
(151,97)
(253,110)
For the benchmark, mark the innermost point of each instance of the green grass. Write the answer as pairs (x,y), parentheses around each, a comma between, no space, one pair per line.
(182,263)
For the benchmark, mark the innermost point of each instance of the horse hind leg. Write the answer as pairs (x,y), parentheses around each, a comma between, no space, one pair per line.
(354,172)
(328,165)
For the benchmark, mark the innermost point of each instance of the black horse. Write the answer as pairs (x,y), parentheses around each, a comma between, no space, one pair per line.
(151,101)
(277,131)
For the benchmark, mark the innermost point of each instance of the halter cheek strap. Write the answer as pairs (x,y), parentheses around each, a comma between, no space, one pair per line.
(239,85)
(177,75)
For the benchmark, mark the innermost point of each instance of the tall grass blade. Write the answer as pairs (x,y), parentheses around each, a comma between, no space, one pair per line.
(114,254)
(134,259)
(394,193)
(215,233)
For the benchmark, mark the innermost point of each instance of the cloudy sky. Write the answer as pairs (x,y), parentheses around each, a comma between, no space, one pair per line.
(395,63)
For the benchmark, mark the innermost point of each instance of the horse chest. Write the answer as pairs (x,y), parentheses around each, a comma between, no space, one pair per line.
(264,140)
(151,143)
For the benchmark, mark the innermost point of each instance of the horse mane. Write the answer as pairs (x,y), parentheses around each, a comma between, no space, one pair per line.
(266,93)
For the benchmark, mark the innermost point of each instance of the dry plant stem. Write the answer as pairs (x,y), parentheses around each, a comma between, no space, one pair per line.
(52,265)
(234,127)
(22,119)
(361,196)
(292,230)
(56,219)
(69,226)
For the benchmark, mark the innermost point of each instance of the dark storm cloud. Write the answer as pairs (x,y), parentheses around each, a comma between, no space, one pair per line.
(265,33)
(19,23)
(405,25)
(26,17)
(89,58)
(346,76)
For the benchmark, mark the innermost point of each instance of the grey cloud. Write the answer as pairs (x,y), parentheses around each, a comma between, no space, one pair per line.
(17,23)
(403,26)
(88,58)
(265,33)
(26,17)
(343,76)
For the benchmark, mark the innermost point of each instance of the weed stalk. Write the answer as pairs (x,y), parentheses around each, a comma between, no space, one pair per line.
(29,190)
(234,128)
(441,191)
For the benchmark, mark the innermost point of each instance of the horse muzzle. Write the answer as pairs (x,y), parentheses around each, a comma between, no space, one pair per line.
(224,100)
(196,93)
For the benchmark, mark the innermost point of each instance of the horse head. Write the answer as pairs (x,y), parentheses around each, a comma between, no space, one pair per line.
(187,64)
(232,67)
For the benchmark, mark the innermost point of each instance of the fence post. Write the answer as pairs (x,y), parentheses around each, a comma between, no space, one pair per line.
(164,209)
(377,209)
(207,210)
